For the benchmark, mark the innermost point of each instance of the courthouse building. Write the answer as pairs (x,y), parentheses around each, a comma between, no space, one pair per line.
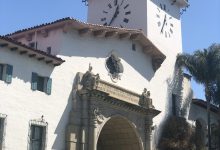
(107,84)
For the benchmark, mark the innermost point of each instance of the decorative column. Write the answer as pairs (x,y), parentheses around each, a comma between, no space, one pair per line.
(84,121)
(146,102)
(148,130)
(73,130)
(96,118)
(89,82)
(92,130)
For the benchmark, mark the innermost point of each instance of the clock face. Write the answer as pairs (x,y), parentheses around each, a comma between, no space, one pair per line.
(164,20)
(116,12)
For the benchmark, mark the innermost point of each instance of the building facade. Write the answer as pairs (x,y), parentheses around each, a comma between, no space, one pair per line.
(70,85)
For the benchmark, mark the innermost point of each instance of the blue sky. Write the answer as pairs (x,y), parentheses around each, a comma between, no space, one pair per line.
(200,23)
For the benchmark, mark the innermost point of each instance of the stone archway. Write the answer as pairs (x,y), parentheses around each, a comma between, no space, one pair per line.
(118,134)
(96,100)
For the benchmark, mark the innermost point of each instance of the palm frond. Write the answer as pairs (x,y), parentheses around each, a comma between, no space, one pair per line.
(203,65)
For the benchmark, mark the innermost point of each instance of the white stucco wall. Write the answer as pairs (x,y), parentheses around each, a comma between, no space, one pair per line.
(200,113)
(78,51)
(52,40)
(137,18)
(168,45)
(187,95)
(21,104)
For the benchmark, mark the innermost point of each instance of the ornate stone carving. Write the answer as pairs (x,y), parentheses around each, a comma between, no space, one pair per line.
(118,93)
(89,80)
(114,66)
(41,121)
(98,115)
(145,100)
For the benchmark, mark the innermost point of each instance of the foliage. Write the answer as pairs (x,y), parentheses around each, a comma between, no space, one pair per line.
(199,136)
(177,134)
(204,66)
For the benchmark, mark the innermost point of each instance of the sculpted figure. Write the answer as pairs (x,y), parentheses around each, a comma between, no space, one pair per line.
(145,100)
(89,80)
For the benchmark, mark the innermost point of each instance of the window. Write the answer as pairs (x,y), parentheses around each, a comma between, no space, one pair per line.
(41,83)
(174,97)
(37,135)
(6,72)
(48,50)
(2,129)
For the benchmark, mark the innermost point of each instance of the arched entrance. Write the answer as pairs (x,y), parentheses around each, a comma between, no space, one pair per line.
(118,134)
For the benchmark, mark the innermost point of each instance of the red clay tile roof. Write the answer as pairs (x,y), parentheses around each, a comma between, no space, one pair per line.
(203,104)
(148,47)
(39,26)
(70,19)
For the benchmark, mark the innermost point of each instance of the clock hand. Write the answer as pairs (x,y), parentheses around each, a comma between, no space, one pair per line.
(122,2)
(115,15)
(165,19)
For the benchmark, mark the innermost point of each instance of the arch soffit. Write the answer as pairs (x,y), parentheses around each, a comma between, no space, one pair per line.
(131,124)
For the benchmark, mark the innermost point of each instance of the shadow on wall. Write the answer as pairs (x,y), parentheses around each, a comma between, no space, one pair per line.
(102,50)
(60,130)
(23,71)
(174,86)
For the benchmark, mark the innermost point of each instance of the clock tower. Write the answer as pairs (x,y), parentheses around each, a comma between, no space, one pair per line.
(158,19)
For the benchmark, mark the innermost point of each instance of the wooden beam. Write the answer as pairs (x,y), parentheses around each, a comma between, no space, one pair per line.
(56,64)
(23,52)
(111,34)
(4,45)
(32,55)
(135,36)
(124,35)
(44,33)
(41,58)
(99,33)
(148,49)
(14,48)
(49,61)
(84,31)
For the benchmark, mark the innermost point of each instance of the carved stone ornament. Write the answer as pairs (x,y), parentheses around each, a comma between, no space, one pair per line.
(98,116)
(114,67)
(41,121)
(145,100)
(89,80)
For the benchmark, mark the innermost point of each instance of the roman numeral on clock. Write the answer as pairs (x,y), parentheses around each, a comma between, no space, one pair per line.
(109,5)
(115,2)
(128,12)
(126,6)
(103,19)
(126,20)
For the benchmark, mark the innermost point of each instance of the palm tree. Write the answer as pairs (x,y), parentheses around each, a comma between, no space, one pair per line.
(204,66)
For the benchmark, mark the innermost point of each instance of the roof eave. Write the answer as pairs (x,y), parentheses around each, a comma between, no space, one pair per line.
(100,31)
(21,49)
